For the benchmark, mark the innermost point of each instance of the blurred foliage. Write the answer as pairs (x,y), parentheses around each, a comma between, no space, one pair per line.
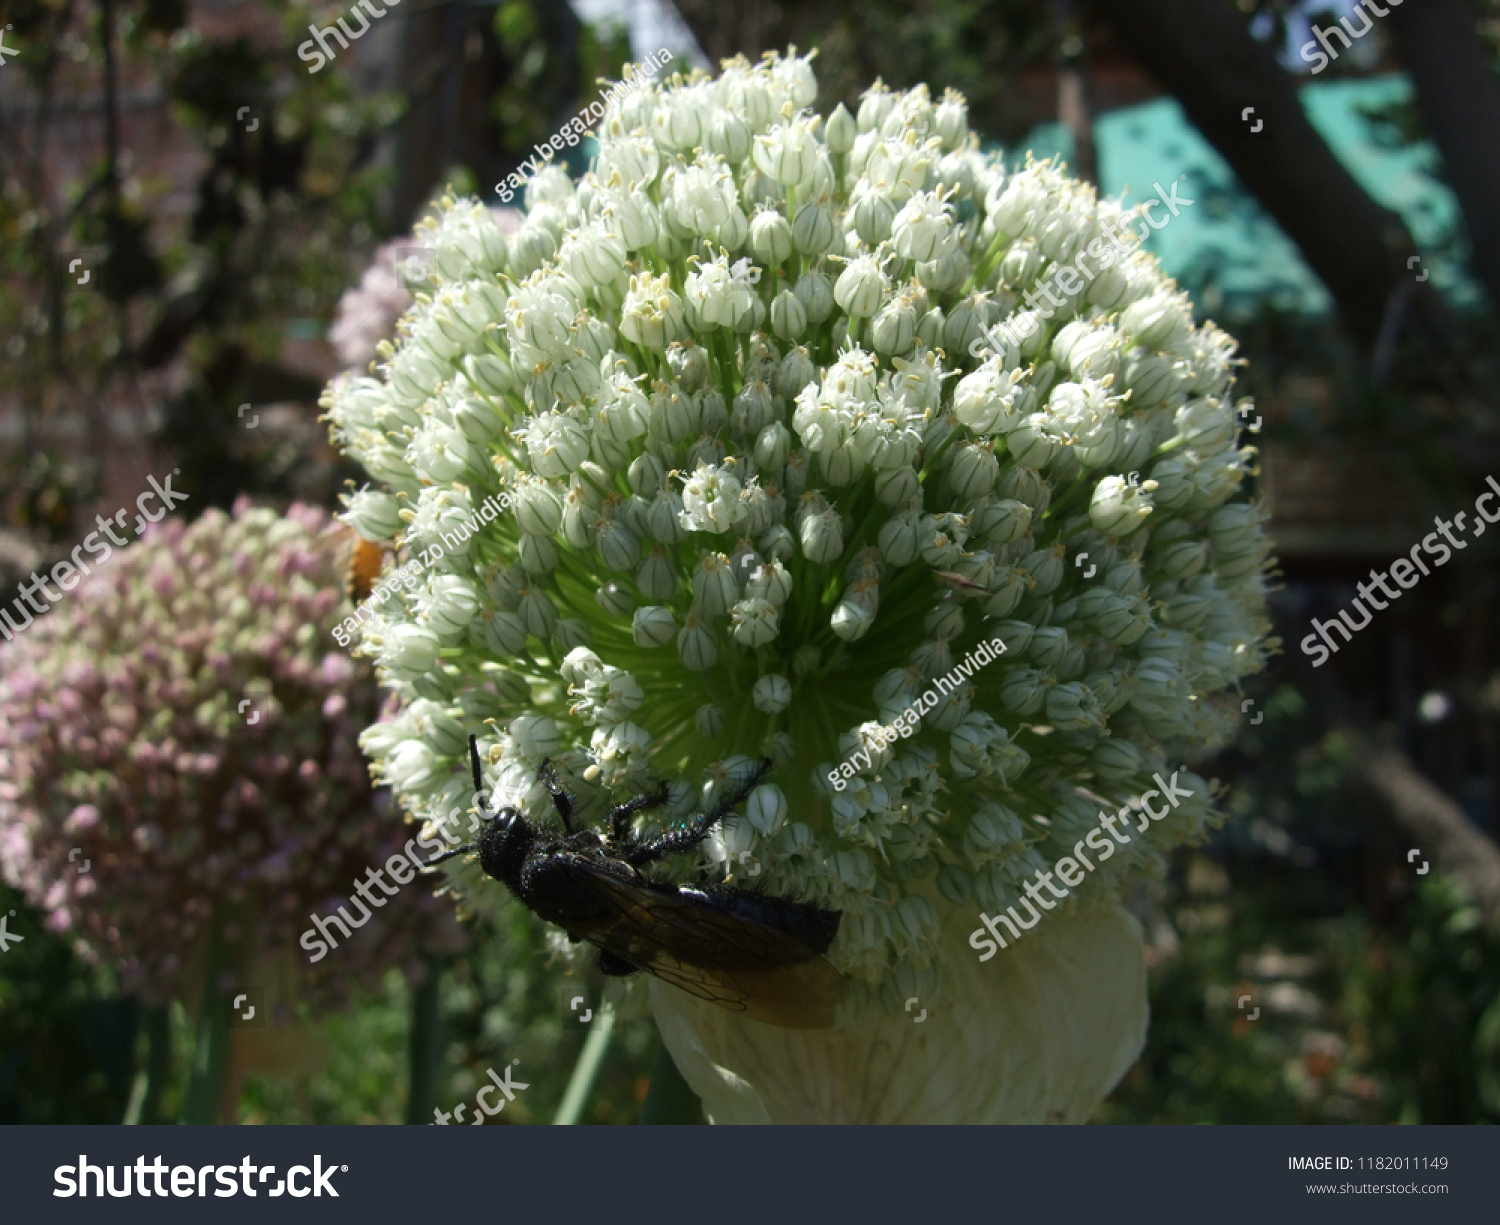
(502,1002)
(70,1050)
(1358,1022)
(555,67)
(977,47)
(1378,991)
(66,1043)
(202,292)
(43,490)
(980,47)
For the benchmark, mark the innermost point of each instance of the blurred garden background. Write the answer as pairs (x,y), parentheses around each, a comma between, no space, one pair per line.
(196,234)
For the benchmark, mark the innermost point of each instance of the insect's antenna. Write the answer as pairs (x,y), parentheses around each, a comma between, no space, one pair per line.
(474,761)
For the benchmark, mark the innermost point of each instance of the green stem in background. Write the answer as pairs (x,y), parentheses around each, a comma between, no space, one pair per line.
(590,1060)
(211,1043)
(151,1082)
(670,1098)
(424,1048)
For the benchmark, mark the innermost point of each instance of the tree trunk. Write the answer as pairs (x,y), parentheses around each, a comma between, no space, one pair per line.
(1437,827)
(1460,106)
(1201,51)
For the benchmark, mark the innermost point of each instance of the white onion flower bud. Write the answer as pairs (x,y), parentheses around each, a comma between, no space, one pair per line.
(714,585)
(593,255)
(710,721)
(822,535)
(766,808)
(1118,508)
(374,515)
(695,645)
(1156,322)
(973,470)
(409,650)
(894,328)
(789,153)
(873,215)
(754,622)
(840,131)
(815,292)
(876,103)
(770,237)
(729,136)
(652,315)
(653,626)
(923,229)
(656,578)
(812,232)
(617,546)
(788,315)
(861,287)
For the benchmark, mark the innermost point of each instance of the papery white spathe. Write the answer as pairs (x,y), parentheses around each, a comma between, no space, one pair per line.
(1039,1034)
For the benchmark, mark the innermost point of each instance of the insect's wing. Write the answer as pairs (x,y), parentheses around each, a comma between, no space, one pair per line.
(696,944)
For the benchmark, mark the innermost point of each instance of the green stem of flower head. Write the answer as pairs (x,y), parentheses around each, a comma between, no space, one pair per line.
(590,1060)
(930,465)
(872,520)
(151,1082)
(425,1045)
(1078,533)
(985,266)
(724,351)
(820,584)
(1069,497)
(211,1044)
(906,603)
(602,491)
(670,1099)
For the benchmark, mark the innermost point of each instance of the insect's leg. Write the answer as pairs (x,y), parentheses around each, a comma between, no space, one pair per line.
(614,966)
(561,800)
(619,819)
(685,838)
(466,849)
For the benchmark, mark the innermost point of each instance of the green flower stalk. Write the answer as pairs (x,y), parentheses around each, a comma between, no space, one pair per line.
(776,471)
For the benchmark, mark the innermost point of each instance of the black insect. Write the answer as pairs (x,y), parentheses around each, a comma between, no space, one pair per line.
(748,952)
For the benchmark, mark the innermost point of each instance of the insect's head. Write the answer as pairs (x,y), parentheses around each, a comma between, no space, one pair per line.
(504,836)
(504,839)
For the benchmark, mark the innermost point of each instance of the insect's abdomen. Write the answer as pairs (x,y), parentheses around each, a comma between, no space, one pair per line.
(812,925)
